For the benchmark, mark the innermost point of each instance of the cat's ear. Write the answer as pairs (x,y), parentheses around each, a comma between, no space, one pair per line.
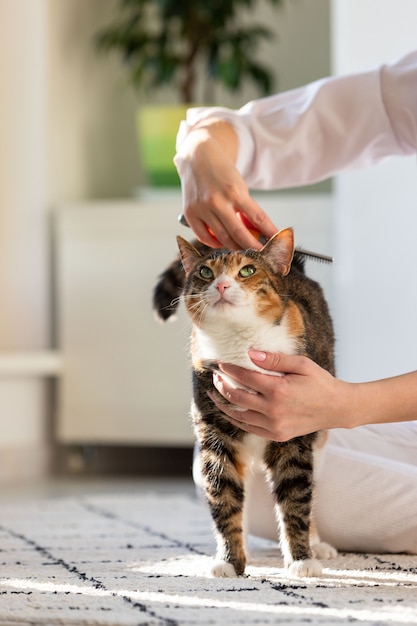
(189,255)
(279,250)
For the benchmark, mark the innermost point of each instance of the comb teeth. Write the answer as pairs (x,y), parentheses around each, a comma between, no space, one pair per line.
(314,256)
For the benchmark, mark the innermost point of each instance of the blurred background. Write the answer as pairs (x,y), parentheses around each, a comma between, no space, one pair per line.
(89,383)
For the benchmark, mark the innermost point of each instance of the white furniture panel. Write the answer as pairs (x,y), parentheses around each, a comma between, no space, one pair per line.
(125,378)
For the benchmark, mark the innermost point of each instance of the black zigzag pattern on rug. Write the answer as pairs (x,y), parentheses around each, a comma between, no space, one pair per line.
(131,560)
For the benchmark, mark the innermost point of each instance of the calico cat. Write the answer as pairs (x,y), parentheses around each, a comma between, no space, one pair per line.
(237,301)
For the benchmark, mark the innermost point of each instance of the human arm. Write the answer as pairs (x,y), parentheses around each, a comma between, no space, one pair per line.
(308,398)
(293,138)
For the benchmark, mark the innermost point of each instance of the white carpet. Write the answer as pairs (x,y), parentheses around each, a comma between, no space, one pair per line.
(130,560)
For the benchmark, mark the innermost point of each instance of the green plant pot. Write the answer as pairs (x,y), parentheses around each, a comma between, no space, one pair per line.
(157,128)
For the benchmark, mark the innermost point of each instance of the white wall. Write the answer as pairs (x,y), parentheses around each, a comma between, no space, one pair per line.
(376,212)
(92,144)
(47,140)
(24,246)
(23,243)
(67,135)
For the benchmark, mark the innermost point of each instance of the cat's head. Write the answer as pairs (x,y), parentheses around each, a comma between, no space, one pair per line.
(229,285)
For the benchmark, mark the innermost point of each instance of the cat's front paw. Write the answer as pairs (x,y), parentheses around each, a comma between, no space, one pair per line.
(305,568)
(222,569)
(323,550)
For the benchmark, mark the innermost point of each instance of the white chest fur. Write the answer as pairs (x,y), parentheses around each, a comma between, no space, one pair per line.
(228,339)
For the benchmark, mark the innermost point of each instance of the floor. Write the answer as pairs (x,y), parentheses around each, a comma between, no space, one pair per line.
(54,487)
(134,550)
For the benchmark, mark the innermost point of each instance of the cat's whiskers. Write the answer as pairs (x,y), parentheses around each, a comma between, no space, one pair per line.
(199,307)
(175,301)
(191,296)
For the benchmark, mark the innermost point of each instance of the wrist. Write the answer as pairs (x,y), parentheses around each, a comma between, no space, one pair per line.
(350,404)
(205,136)
(380,401)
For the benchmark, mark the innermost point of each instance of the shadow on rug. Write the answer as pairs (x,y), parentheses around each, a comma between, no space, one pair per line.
(130,560)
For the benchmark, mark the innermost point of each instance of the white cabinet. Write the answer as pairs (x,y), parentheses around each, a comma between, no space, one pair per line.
(125,378)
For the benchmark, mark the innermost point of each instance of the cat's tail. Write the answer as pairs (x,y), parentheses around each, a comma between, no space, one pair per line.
(168,290)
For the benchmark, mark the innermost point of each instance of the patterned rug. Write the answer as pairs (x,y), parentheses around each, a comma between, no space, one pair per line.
(142,559)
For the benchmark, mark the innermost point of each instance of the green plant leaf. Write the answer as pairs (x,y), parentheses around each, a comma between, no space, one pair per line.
(163,42)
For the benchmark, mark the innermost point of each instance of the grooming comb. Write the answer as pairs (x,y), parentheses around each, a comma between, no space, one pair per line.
(315,256)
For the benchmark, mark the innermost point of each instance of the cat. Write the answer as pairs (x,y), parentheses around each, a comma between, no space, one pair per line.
(239,301)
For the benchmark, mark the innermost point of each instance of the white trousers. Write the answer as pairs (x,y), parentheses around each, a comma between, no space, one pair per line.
(366,491)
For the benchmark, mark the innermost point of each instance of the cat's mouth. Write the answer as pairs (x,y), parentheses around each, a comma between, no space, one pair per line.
(226,301)
(223,302)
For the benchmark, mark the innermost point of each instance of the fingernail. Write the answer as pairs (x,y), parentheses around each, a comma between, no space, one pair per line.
(257,355)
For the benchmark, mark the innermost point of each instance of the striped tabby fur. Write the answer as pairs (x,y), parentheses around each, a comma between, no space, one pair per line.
(268,303)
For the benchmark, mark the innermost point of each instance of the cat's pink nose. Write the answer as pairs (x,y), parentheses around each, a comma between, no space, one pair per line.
(221,287)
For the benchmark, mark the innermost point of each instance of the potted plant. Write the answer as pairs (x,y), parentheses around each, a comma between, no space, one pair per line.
(175,43)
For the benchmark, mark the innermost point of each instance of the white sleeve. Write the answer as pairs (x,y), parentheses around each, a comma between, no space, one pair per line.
(308,134)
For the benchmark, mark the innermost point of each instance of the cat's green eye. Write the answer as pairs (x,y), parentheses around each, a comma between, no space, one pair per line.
(246,271)
(206,272)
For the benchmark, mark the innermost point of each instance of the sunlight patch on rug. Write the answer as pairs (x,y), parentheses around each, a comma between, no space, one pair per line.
(128,560)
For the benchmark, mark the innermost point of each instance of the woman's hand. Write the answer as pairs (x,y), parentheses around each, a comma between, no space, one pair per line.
(306,398)
(213,190)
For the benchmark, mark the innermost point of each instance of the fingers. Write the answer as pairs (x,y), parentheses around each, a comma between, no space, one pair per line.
(221,228)
(260,383)
(273,362)
(301,400)
(241,398)
(235,233)
(229,230)
(283,363)
(202,233)
(215,219)
(248,421)
(257,218)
